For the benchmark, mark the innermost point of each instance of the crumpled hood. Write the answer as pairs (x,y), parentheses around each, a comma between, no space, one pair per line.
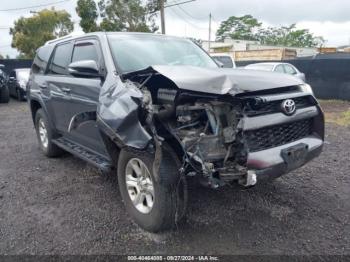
(224,80)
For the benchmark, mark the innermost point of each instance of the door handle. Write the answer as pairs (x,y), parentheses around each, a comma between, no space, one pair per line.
(66,90)
(43,86)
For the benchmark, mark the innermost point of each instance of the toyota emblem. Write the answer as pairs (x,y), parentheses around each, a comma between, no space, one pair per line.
(288,106)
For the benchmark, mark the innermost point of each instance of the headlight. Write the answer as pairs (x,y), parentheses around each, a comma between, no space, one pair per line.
(306,89)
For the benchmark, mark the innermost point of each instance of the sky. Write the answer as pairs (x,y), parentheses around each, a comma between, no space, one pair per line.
(329,19)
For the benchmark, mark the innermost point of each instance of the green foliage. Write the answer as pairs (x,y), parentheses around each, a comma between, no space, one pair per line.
(288,36)
(28,34)
(87,10)
(1,56)
(249,28)
(241,27)
(118,15)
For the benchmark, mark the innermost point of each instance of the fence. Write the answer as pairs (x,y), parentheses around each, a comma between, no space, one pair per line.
(11,64)
(328,74)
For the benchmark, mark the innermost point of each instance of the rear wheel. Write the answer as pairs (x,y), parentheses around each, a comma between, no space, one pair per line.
(154,204)
(4,94)
(45,135)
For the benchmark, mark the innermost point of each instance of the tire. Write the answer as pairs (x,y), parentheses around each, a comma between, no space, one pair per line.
(46,145)
(169,191)
(19,96)
(4,95)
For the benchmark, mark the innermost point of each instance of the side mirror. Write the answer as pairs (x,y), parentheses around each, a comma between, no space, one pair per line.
(84,68)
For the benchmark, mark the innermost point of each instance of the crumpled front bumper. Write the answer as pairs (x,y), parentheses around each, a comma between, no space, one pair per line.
(269,164)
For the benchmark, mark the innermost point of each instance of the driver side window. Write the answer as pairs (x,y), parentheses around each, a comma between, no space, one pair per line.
(85,51)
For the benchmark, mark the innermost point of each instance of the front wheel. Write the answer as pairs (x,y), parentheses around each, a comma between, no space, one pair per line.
(154,204)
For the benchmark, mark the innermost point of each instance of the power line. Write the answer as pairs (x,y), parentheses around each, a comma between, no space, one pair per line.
(179,3)
(187,13)
(187,21)
(172,4)
(34,6)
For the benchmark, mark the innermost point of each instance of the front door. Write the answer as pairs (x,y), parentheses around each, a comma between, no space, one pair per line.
(75,99)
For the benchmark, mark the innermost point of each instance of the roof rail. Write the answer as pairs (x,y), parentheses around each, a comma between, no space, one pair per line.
(61,38)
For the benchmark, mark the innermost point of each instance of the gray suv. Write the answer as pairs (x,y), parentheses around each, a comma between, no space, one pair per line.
(157,110)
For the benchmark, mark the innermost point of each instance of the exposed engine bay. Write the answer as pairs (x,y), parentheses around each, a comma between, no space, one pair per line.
(208,130)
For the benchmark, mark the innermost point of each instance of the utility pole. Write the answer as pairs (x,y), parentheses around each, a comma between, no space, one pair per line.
(162,15)
(209,32)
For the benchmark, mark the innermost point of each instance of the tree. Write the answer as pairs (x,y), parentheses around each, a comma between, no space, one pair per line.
(242,27)
(87,11)
(1,56)
(118,15)
(249,28)
(28,34)
(288,36)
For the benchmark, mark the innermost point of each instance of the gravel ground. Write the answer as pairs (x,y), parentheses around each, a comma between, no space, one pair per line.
(64,206)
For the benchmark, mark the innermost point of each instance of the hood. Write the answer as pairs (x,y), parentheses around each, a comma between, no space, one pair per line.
(223,80)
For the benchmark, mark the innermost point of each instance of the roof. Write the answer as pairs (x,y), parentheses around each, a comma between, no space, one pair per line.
(99,34)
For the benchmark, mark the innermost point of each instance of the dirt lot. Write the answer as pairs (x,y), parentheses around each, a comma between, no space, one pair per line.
(64,206)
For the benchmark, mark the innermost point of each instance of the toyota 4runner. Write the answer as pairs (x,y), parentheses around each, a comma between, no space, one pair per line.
(157,109)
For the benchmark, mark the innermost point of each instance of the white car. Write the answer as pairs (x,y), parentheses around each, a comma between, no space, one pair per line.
(285,68)
(224,60)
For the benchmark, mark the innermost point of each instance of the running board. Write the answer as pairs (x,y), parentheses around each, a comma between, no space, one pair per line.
(96,160)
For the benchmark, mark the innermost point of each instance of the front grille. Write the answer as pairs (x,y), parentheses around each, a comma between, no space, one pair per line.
(275,106)
(273,136)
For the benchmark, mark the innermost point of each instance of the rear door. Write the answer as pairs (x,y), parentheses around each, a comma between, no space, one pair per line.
(57,86)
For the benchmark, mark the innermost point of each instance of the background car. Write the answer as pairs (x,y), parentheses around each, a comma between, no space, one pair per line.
(4,91)
(224,59)
(18,81)
(278,67)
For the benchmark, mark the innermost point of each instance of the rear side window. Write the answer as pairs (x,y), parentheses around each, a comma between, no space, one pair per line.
(61,59)
(279,69)
(290,70)
(41,60)
(85,51)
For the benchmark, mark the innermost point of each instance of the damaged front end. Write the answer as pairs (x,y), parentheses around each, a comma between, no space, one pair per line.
(211,131)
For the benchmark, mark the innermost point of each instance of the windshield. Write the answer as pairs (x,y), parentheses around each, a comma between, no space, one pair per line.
(23,75)
(136,52)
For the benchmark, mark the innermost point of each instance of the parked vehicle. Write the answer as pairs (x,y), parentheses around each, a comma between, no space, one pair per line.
(4,91)
(17,83)
(224,59)
(156,109)
(284,68)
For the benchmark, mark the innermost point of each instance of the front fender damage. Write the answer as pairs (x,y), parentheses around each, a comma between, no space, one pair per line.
(125,115)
